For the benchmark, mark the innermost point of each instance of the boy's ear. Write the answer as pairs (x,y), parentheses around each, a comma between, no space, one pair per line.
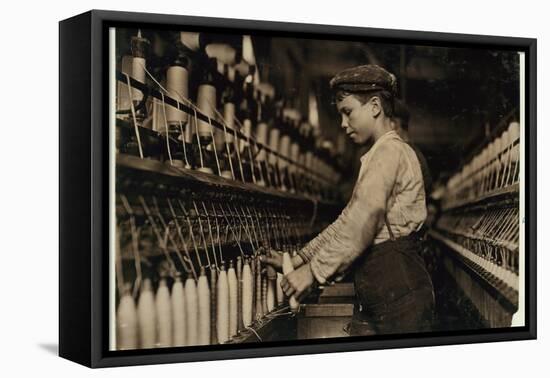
(376,106)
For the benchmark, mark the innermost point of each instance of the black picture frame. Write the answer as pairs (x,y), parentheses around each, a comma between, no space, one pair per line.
(83,182)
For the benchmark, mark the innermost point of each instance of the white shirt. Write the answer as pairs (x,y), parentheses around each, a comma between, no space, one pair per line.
(392,164)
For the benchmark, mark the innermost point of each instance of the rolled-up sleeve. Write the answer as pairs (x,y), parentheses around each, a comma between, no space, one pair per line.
(336,247)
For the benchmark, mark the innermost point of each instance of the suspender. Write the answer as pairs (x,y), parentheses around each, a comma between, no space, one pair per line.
(392,237)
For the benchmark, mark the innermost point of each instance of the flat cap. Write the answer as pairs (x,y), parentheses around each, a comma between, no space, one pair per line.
(369,77)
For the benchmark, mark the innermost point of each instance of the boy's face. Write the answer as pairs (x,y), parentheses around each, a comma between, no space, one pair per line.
(358,119)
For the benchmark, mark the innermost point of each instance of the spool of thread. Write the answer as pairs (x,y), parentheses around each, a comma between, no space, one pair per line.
(164,315)
(253,272)
(247,131)
(233,288)
(229,119)
(158,114)
(239,294)
(135,68)
(147,316)
(258,289)
(123,97)
(192,311)
(204,309)
(177,84)
(222,324)
(206,100)
(274,135)
(253,266)
(191,40)
(179,314)
(261,137)
(514,130)
(279,289)
(219,140)
(271,288)
(284,149)
(294,155)
(138,71)
(247,295)
(287,269)
(126,322)
(213,305)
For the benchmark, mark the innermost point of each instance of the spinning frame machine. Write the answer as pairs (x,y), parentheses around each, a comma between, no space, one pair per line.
(205,186)
(201,193)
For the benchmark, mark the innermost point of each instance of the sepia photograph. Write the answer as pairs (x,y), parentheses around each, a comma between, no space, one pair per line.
(267,188)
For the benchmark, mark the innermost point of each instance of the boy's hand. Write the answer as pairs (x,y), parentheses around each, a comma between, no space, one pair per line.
(298,282)
(273,258)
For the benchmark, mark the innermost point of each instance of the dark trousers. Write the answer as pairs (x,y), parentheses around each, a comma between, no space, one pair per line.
(394,292)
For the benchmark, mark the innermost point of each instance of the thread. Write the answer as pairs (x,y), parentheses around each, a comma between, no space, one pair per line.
(206,97)
(240,321)
(223,311)
(233,288)
(213,305)
(258,289)
(126,322)
(177,83)
(204,309)
(191,311)
(164,315)
(247,295)
(179,314)
(262,136)
(147,316)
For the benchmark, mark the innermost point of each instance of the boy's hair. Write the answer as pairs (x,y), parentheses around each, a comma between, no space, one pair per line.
(386,99)
(401,111)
